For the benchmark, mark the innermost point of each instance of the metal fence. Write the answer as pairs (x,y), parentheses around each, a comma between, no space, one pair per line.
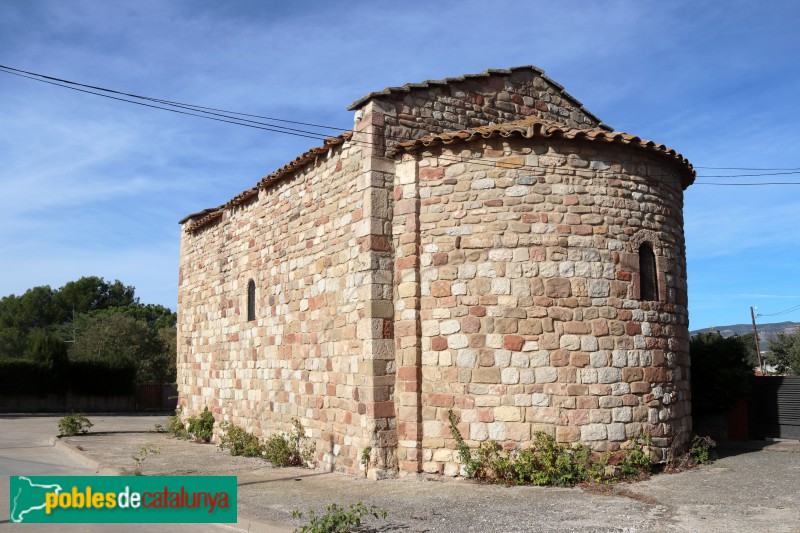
(775,407)
(156,397)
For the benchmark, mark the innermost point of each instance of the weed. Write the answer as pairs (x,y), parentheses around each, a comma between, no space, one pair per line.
(201,428)
(144,451)
(71,425)
(547,462)
(464,453)
(239,441)
(338,519)
(158,428)
(637,462)
(176,426)
(701,450)
(292,449)
(365,457)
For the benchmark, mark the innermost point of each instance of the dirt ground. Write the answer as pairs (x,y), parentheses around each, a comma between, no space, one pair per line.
(752,488)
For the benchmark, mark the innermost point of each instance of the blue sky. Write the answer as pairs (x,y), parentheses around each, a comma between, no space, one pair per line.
(96,187)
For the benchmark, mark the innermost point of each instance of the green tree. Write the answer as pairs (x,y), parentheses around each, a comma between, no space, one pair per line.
(53,310)
(44,347)
(122,338)
(169,342)
(720,372)
(91,293)
(784,353)
(36,308)
(12,342)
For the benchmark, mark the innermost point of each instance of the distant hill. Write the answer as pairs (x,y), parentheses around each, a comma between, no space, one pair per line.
(765,331)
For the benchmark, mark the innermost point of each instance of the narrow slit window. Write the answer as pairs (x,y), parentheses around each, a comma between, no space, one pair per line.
(251,300)
(648,277)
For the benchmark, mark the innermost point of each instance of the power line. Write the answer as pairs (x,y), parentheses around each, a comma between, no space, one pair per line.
(233,120)
(749,175)
(161,108)
(784,312)
(60,80)
(744,168)
(745,184)
(221,115)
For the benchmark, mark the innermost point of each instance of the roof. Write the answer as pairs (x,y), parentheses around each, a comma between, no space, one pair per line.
(533,127)
(207,216)
(488,73)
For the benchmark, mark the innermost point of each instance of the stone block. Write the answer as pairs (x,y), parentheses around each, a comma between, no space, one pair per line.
(607,402)
(478,431)
(608,375)
(486,375)
(559,358)
(622,414)
(440,288)
(513,342)
(570,342)
(497,431)
(507,413)
(598,359)
(616,432)
(568,434)
(448,327)
(546,375)
(478,241)
(540,400)
(509,376)
(578,359)
(593,432)
(458,341)
(558,288)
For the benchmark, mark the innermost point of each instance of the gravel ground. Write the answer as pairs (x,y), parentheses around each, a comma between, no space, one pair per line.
(749,490)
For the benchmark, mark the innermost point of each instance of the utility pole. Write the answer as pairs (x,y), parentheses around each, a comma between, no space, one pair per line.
(73,325)
(755,334)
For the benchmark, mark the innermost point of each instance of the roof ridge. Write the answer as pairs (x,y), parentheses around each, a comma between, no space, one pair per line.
(489,72)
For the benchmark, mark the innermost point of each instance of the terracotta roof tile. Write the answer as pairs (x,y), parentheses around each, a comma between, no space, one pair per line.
(534,127)
(210,215)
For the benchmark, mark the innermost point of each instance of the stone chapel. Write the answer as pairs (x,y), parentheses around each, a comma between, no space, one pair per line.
(482,244)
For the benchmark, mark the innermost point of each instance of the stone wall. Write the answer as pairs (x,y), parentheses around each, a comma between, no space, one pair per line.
(307,242)
(523,280)
(471,101)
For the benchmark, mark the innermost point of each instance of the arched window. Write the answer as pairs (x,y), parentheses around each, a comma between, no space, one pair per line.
(648,278)
(251,300)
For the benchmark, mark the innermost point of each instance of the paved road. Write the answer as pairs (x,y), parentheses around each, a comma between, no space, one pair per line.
(26,448)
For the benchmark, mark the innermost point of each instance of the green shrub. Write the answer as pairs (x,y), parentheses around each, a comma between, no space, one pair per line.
(338,519)
(701,450)
(637,461)
(547,462)
(176,426)
(102,377)
(20,377)
(71,425)
(239,441)
(292,449)
(201,428)
(93,377)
